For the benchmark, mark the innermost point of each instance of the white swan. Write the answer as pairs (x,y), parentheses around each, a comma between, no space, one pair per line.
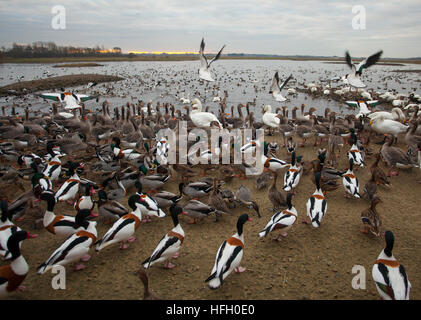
(387,126)
(202,119)
(396,114)
(270,119)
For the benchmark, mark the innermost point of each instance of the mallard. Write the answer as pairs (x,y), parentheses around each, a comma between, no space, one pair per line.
(329,176)
(262,181)
(275,196)
(229,255)
(183,171)
(244,196)
(109,208)
(195,189)
(370,188)
(147,295)
(169,246)
(114,194)
(229,197)
(166,199)
(226,173)
(152,181)
(371,218)
(216,201)
(128,154)
(291,145)
(378,175)
(389,275)
(197,210)
(282,220)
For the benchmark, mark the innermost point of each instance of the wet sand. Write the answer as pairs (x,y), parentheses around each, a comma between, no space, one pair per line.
(25,87)
(77,65)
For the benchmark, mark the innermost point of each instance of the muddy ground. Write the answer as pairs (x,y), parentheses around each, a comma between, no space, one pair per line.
(25,87)
(308,264)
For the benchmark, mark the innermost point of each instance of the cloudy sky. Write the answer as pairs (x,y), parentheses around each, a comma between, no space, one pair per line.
(309,27)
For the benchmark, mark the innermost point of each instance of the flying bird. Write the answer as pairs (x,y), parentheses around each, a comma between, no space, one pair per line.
(204,65)
(70,99)
(275,88)
(353,79)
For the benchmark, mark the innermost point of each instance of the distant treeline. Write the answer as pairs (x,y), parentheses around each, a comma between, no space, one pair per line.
(41,49)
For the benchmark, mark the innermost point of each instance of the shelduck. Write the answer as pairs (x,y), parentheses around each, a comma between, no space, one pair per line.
(124,228)
(389,275)
(282,220)
(61,225)
(170,244)
(86,201)
(70,187)
(148,206)
(293,174)
(74,248)
(12,275)
(350,182)
(316,204)
(229,255)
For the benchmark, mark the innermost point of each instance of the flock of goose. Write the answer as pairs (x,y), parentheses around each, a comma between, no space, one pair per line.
(120,156)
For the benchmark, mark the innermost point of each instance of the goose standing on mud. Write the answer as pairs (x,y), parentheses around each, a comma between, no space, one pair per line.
(229,255)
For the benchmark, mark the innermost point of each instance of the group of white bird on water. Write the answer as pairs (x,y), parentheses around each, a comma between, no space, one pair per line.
(389,275)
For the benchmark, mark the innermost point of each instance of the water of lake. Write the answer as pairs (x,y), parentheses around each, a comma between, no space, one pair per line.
(243,79)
